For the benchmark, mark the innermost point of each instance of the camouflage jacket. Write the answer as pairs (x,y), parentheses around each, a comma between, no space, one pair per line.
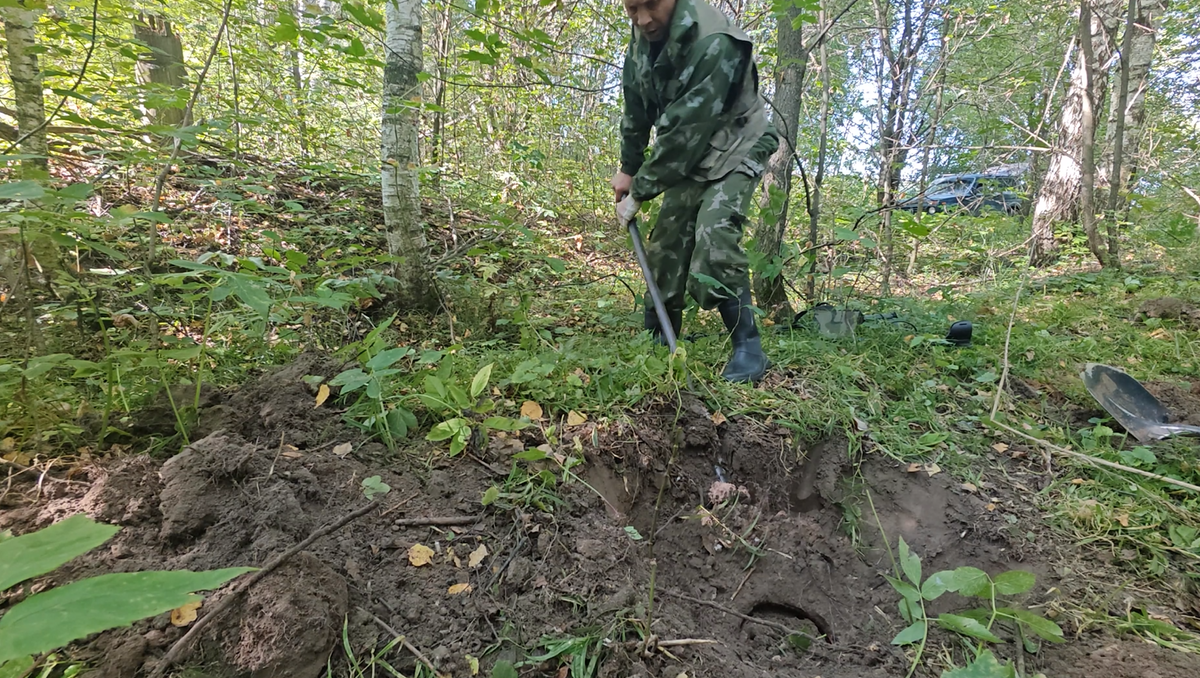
(699,89)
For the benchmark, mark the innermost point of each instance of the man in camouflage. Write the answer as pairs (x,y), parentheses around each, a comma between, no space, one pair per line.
(689,73)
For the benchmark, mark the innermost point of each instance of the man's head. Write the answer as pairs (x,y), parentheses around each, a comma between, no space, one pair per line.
(651,17)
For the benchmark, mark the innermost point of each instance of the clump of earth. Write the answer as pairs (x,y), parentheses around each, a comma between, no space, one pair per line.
(654,561)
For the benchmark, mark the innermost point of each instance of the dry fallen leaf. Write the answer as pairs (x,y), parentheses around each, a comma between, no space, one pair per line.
(861,424)
(477,556)
(1123,519)
(1030,355)
(990,507)
(1000,447)
(290,452)
(322,395)
(1077,481)
(914,467)
(933,469)
(562,672)
(718,419)
(459,588)
(970,487)
(575,419)
(531,409)
(343,449)
(419,554)
(184,614)
(8,444)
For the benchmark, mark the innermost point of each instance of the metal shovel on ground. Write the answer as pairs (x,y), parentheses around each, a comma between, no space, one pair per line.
(1131,404)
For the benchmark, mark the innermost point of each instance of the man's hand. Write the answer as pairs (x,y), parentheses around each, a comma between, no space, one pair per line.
(621,184)
(627,209)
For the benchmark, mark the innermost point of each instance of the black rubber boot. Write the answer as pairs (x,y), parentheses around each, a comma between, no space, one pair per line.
(655,327)
(748,362)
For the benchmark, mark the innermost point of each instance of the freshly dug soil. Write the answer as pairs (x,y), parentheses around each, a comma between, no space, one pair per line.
(792,534)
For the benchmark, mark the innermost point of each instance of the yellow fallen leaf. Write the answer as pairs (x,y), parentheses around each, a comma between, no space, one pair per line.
(343,449)
(718,419)
(459,588)
(477,556)
(531,409)
(1077,481)
(290,452)
(184,614)
(1000,447)
(970,487)
(1123,519)
(575,419)
(933,469)
(473,662)
(914,467)
(990,507)
(419,555)
(322,395)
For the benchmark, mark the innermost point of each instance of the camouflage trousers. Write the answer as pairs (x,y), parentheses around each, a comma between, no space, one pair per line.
(695,245)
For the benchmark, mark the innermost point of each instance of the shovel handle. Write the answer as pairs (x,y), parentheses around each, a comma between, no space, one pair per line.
(660,310)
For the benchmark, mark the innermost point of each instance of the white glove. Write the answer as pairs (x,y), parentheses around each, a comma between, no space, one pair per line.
(627,209)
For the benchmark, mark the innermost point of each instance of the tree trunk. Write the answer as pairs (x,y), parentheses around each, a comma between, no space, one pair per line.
(298,84)
(814,208)
(162,66)
(401,186)
(1140,57)
(1058,196)
(792,61)
(1087,125)
(21,36)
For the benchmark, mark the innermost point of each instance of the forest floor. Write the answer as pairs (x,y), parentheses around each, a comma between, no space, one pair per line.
(665,531)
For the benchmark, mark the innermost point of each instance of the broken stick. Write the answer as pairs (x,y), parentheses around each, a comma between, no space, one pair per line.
(403,641)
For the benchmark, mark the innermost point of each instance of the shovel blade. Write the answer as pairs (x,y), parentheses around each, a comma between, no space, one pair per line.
(1127,401)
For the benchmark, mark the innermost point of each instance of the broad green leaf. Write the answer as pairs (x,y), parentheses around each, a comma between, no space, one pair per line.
(504,669)
(445,430)
(16,668)
(458,444)
(558,265)
(460,396)
(910,563)
(387,358)
(984,666)
(22,190)
(905,589)
(1014,582)
(1044,628)
(844,234)
(530,455)
(356,48)
(972,581)
(37,553)
(434,386)
(912,634)
(397,424)
(967,627)
(504,424)
(373,486)
(490,495)
(61,615)
(480,382)
(937,584)
(351,380)
(251,293)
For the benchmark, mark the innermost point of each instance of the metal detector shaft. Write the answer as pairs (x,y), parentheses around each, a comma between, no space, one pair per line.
(663,320)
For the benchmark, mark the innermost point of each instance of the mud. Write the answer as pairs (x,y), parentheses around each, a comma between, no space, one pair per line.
(793,534)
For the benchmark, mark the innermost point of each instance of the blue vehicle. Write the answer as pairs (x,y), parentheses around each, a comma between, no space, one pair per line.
(972,193)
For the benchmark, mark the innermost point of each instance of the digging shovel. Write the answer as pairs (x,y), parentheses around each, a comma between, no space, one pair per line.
(1131,404)
(661,311)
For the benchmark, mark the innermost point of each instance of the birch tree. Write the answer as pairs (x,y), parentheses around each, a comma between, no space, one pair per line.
(400,161)
(1058,197)
(21,38)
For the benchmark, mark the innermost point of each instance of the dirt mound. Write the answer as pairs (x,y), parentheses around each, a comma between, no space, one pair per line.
(727,542)
(1124,659)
